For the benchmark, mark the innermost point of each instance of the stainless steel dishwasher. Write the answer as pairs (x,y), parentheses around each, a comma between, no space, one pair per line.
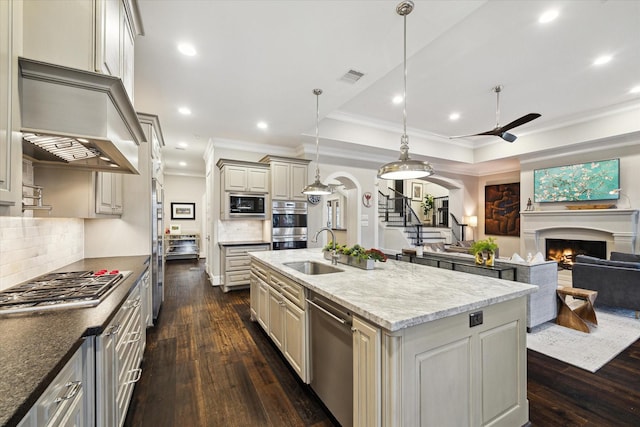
(331,351)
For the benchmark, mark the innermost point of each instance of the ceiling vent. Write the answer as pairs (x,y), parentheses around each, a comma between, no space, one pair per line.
(352,76)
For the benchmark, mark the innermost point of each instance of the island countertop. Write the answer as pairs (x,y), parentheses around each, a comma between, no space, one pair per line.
(396,294)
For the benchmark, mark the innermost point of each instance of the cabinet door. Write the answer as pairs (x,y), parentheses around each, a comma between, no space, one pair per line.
(104,193)
(298,182)
(106,376)
(253,296)
(294,338)
(280,184)
(117,197)
(276,317)
(108,20)
(257,180)
(235,178)
(263,305)
(127,54)
(366,374)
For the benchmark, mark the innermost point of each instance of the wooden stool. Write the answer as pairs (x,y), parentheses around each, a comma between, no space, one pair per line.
(575,318)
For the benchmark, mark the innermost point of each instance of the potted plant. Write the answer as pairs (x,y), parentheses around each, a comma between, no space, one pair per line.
(485,251)
(427,205)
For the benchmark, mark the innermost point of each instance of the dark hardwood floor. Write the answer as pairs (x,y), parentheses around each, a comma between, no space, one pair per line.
(207,364)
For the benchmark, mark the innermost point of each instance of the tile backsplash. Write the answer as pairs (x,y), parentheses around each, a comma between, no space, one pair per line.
(30,247)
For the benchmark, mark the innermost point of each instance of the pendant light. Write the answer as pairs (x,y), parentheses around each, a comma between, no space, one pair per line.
(404,167)
(317,188)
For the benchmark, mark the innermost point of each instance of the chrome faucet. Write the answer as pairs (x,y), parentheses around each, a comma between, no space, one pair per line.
(334,255)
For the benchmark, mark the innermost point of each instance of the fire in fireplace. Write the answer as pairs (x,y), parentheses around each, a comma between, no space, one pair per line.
(564,251)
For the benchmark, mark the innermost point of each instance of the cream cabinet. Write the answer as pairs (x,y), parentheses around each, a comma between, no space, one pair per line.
(366,374)
(280,309)
(243,177)
(109,193)
(10,152)
(94,35)
(236,263)
(65,402)
(289,176)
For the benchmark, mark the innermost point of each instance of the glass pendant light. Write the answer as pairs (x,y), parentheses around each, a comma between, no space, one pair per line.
(317,188)
(404,167)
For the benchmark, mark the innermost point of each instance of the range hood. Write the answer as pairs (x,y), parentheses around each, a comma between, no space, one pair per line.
(78,119)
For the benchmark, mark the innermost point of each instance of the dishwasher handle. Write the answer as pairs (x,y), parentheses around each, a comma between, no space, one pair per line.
(328,313)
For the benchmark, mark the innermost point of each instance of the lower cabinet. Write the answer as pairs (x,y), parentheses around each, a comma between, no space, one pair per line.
(66,401)
(118,357)
(278,304)
(236,264)
(366,374)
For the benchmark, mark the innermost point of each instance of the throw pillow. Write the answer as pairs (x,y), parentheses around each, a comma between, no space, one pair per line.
(621,256)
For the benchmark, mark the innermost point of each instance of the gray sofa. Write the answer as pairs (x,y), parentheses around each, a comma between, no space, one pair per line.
(617,280)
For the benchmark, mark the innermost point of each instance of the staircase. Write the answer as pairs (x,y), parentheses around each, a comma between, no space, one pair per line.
(396,212)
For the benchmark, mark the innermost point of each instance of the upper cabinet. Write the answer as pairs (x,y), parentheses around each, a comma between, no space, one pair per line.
(10,153)
(288,177)
(89,35)
(153,133)
(243,177)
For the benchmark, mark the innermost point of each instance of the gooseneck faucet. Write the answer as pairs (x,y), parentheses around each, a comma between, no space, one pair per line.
(334,255)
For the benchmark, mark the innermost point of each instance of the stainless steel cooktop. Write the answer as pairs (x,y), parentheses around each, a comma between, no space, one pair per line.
(60,290)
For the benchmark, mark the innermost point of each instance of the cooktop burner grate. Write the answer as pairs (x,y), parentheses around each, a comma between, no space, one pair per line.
(59,290)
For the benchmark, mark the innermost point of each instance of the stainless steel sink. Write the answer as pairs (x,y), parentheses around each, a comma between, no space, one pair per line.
(312,267)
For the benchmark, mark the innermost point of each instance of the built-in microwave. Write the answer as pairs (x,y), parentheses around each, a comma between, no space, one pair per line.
(246,205)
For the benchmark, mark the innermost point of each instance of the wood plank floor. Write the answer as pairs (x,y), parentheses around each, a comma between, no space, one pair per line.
(207,364)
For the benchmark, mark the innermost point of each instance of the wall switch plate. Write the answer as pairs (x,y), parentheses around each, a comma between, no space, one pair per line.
(475,319)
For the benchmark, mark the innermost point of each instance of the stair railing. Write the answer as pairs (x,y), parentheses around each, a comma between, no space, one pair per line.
(457,230)
(408,215)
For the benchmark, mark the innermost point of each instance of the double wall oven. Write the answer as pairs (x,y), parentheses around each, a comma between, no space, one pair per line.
(288,225)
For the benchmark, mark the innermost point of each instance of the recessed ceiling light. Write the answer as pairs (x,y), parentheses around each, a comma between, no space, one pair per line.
(184,110)
(183,163)
(454,116)
(548,16)
(187,49)
(397,99)
(183,144)
(635,89)
(83,140)
(113,165)
(262,125)
(601,60)
(105,158)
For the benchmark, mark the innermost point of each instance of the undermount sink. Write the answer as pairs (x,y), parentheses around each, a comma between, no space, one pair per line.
(312,267)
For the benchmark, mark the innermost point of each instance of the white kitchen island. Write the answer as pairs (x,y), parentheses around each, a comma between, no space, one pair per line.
(417,361)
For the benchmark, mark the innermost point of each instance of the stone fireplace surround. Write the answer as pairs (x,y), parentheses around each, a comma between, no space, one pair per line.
(617,227)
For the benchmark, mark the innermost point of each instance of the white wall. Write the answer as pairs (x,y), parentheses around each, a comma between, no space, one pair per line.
(184,189)
(30,247)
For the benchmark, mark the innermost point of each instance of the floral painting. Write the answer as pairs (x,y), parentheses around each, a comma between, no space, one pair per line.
(584,181)
(502,209)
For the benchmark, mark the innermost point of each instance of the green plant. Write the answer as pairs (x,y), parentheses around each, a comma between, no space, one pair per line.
(487,245)
(357,251)
(427,204)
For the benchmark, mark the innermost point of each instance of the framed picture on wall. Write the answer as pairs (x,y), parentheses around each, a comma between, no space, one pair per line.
(416,191)
(502,209)
(183,210)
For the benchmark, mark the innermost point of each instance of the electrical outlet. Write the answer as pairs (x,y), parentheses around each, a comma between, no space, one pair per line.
(475,319)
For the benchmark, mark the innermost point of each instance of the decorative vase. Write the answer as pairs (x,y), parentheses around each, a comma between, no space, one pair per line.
(491,255)
(479,258)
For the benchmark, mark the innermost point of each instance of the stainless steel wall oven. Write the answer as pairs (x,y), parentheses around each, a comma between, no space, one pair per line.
(288,225)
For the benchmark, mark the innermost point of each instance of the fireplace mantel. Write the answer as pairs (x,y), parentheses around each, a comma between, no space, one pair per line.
(620,225)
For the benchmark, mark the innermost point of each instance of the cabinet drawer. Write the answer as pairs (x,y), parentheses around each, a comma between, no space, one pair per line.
(237,263)
(261,271)
(237,278)
(290,289)
(243,250)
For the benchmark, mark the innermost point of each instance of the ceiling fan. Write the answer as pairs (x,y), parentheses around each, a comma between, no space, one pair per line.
(501,131)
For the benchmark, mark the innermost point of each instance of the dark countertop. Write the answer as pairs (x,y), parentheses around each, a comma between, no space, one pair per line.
(244,242)
(35,346)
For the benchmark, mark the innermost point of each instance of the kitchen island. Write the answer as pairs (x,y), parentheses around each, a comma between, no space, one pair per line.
(417,359)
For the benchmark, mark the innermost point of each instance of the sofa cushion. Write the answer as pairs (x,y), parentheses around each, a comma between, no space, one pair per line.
(621,256)
(465,243)
(585,259)
(434,247)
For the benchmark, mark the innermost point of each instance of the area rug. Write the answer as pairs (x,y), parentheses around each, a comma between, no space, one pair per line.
(616,330)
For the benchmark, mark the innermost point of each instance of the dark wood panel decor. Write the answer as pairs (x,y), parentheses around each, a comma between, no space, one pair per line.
(206,364)
(502,209)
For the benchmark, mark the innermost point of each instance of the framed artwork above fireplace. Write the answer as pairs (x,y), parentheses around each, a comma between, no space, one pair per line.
(579,182)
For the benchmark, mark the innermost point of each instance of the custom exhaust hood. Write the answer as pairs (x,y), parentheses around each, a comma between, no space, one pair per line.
(78,119)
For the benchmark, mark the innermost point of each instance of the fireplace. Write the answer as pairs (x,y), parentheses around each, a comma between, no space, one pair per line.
(564,251)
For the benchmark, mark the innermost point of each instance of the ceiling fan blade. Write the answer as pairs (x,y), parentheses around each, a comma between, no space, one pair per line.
(517,122)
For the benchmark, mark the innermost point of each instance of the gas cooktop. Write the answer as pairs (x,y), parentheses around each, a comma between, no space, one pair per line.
(60,290)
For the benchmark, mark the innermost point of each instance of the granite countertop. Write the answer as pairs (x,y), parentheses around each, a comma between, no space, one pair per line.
(35,346)
(244,242)
(397,295)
